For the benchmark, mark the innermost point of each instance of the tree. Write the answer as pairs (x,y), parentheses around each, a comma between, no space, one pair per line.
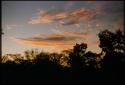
(113,44)
(55,57)
(76,57)
(30,54)
(106,41)
(64,60)
(92,61)
(41,56)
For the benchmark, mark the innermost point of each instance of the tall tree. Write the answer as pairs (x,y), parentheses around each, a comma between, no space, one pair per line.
(113,45)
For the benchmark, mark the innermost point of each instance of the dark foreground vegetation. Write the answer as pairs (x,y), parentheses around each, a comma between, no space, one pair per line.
(71,66)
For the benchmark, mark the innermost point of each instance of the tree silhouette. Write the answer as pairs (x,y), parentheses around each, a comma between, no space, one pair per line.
(30,54)
(76,57)
(113,45)
(91,61)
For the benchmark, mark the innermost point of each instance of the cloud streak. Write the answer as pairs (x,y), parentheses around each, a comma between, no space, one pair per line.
(65,38)
(57,42)
(65,17)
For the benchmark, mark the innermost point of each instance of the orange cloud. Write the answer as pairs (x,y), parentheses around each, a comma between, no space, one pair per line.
(42,43)
(67,17)
(48,17)
(60,41)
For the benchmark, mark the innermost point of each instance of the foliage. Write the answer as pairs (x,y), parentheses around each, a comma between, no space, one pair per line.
(76,57)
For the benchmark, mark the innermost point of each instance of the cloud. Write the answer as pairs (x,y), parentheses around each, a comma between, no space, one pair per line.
(58,41)
(65,17)
(48,16)
(65,38)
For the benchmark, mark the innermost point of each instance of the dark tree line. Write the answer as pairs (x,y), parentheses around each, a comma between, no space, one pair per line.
(74,65)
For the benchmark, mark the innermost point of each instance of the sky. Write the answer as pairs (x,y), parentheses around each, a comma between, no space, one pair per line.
(53,26)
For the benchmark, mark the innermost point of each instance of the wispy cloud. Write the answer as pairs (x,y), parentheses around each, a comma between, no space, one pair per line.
(48,16)
(65,38)
(65,17)
(59,41)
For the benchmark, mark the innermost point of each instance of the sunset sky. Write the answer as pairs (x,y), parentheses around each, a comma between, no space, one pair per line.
(54,26)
